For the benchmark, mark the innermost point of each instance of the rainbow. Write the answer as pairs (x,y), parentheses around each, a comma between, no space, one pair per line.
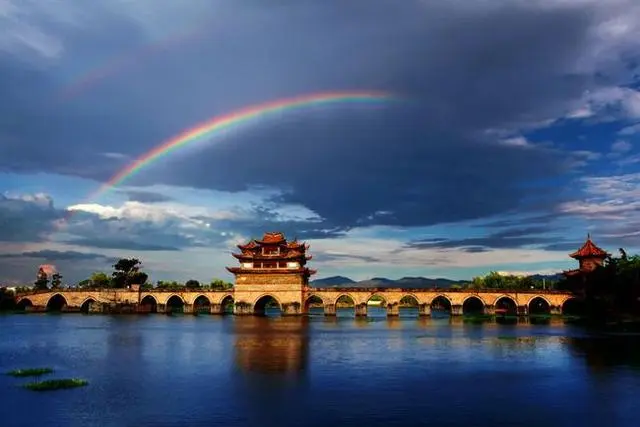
(236,119)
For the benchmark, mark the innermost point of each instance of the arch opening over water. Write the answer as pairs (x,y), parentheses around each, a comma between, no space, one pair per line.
(376,306)
(267,305)
(440,306)
(88,306)
(538,306)
(472,306)
(314,305)
(202,305)
(573,307)
(24,304)
(174,305)
(409,306)
(506,306)
(345,306)
(148,305)
(56,303)
(227,304)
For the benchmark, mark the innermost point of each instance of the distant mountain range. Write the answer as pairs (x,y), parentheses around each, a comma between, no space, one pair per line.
(405,282)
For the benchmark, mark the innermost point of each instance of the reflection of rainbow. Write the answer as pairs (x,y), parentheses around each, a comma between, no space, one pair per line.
(236,119)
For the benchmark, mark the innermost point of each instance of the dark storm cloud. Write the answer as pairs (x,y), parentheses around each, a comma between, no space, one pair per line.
(327,257)
(511,238)
(466,68)
(130,245)
(27,219)
(147,197)
(54,256)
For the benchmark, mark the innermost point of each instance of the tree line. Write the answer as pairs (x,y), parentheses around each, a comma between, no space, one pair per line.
(126,272)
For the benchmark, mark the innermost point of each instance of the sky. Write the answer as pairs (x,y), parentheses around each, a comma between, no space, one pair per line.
(514,131)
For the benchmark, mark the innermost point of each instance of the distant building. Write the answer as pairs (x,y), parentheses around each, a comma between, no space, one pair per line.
(589,258)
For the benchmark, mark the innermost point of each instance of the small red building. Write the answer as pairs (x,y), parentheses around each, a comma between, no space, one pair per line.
(589,257)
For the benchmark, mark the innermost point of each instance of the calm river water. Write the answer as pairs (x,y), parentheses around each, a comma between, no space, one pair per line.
(207,371)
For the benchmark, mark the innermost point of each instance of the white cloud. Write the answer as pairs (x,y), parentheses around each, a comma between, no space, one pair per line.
(392,252)
(625,101)
(157,212)
(612,198)
(621,146)
(630,130)
(518,141)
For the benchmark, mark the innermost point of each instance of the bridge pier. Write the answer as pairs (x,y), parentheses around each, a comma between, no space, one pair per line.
(456,310)
(361,310)
(393,310)
(523,310)
(329,309)
(187,309)
(490,309)
(215,308)
(292,309)
(555,310)
(424,310)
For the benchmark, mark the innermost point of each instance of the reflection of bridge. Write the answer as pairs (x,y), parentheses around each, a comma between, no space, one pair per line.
(272,271)
(423,301)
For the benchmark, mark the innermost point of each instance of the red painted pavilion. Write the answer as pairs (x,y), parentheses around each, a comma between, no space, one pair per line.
(589,257)
(273,254)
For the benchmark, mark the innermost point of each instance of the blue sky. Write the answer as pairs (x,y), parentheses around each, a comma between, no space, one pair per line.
(520,134)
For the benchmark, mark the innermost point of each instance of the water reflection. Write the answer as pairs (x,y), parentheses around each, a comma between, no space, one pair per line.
(601,353)
(271,345)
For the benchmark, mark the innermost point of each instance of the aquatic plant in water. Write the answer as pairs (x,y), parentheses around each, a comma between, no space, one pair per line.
(33,372)
(56,384)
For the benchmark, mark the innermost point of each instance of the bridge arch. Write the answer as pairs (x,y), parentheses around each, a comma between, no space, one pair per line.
(506,305)
(375,308)
(348,302)
(23,303)
(148,304)
(57,302)
(312,299)
(261,303)
(201,304)
(88,304)
(539,305)
(573,307)
(227,304)
(408,305)
(175,304)
(441,304)
(473,305)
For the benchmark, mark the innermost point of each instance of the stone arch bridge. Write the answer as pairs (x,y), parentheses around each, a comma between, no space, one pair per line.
(301,301)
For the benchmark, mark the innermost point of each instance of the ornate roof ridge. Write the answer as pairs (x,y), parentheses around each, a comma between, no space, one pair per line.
(589,249)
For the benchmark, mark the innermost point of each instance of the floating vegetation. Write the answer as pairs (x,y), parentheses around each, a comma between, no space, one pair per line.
(56,384)
(34,372)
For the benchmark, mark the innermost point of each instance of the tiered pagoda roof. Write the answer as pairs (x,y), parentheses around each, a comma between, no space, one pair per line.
(589,250)
(273,249)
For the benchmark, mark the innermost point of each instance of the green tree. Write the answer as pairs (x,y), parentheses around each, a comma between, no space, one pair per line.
(192,284)
(56,280)
(42,280)
(220,285)
(99,279)
(127,272)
